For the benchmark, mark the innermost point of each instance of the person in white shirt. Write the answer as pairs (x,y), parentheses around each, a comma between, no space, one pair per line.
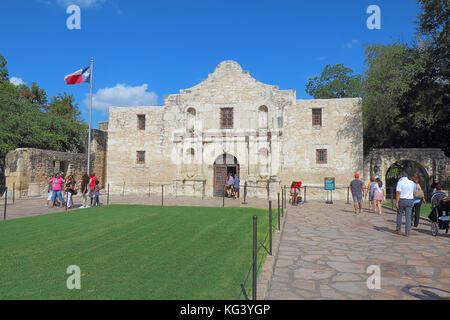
(404,201)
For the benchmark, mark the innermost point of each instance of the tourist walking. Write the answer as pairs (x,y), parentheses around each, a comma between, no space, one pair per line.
(57,183)
(378,195)
(92,179)
(419,197)
(357,188)
(236,186)
(84,190)
(370,191)
(70,191)
(404,202)
(97,193)
(50,192)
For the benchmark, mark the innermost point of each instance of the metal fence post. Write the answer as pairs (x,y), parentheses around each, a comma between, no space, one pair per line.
(67,199)
(203,191)
(255,253)
(107,201)
(270,227)
(6,202)
(278,211)
(14,188)
(304,200)
(162,195)
(245,193)
(223,196)
(123,189)
(149,189)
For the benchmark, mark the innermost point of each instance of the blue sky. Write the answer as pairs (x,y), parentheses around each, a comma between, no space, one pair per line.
(144,50)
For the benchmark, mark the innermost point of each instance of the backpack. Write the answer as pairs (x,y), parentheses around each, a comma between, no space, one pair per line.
(418,194)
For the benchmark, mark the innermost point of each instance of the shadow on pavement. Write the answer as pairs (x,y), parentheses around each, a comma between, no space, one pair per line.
(424,294)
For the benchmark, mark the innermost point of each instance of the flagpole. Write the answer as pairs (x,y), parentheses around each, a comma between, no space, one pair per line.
(90,117)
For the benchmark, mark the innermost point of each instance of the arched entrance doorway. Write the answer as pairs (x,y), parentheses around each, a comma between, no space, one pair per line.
(413,169)
(224,164)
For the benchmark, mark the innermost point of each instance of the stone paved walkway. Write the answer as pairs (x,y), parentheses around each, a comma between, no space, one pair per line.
(325,251)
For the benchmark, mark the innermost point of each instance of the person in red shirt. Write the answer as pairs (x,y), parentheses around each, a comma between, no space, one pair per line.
(295,191)
(92,179)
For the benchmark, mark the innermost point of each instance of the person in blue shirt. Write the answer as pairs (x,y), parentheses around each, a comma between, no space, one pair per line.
(417,203)
(229,184)
(236,186)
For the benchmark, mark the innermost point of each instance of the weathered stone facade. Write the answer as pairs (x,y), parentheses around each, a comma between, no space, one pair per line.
(272,140)
(429,164)
(27,169)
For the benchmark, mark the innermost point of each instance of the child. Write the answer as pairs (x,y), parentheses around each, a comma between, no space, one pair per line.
(50,191)
(97,193)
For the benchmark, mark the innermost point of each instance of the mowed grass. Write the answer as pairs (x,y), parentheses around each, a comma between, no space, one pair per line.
(131,252)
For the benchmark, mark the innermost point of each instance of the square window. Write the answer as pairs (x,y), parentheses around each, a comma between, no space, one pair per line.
(141,121)
(321,156)
(140,157)
(316,117)
(226,118)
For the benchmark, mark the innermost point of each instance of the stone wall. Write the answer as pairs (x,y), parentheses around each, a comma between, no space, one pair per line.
(340,134)
(27,169)
(272,138)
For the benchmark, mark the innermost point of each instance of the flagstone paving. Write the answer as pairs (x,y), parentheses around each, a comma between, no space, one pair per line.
(325,251)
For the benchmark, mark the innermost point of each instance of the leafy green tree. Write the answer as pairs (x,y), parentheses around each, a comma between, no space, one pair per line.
(335,81)
(391,73)
(3,71)
(28,122)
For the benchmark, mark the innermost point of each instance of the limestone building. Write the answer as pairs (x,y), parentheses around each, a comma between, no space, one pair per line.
(230,122)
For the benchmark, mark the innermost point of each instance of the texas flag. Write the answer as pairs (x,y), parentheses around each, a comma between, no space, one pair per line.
(82,75)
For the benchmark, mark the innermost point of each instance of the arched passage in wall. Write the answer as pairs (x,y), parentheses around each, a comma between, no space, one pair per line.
(223,165)
(413,168)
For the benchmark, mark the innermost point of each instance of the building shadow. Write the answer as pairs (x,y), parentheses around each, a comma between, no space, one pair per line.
(425,293)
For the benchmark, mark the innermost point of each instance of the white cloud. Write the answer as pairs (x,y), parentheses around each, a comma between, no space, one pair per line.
(16,81)
(122,95)
(350,44)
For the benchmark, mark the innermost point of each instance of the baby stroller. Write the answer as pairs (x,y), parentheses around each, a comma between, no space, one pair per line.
(439,216)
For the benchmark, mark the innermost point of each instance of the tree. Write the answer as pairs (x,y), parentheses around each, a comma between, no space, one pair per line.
(392,70)
(335,81)
(28,122)
(3,71)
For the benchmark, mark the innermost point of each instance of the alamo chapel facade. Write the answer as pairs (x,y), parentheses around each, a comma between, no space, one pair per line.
(232,123)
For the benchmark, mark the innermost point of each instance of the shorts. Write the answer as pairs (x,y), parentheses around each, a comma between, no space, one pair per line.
(295,191)
(357,198)
(91,193)
(378,196)
(371,196)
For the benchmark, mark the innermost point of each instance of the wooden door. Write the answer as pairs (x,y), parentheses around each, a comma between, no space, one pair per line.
(220,178)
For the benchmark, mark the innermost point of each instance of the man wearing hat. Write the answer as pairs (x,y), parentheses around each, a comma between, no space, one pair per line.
(357,188)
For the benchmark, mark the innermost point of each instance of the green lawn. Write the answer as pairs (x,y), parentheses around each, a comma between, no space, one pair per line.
(131,252)
(425,208)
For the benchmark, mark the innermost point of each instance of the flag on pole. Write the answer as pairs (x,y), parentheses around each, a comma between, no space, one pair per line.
(79,76)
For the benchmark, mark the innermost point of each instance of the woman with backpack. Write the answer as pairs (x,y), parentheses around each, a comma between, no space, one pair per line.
(419,197)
